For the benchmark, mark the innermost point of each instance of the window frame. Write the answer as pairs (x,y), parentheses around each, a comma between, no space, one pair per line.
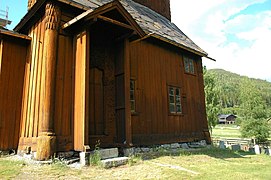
(189,65)
(176,96)
(133,94)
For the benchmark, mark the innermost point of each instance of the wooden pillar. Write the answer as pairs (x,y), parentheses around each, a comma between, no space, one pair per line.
(127,76)
(47,140)
(30,4)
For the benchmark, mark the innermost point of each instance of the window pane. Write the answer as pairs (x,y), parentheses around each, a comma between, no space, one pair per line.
(132,106)
(132,96)
(172,108)
(171,91)
(178,99)
(177,92)
(191,66)
(171,99)
(178,108)
(132,85)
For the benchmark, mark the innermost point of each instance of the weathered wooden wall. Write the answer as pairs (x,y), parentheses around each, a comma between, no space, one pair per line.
(154,67)
(13,52)
(64,91)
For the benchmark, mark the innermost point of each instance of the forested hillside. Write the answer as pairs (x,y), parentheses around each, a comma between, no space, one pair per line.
(249,99)
(231,86)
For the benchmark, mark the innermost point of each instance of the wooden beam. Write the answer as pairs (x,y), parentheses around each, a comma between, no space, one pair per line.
(77,18)
(80,128)
(115,22)
(127,76)
(1,53)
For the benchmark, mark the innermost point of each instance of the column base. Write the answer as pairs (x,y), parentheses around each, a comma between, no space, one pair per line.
(46,146)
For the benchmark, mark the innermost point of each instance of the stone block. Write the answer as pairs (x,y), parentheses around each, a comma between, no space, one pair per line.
(137,150)
(175,146)
(222,145)
(203,143)
(145,150)
(235,147)
(65,154)
(108,153)
(257,149)
(129,151)
(252,150)
(166,146)
(114,162)
(184,146)
(84,158)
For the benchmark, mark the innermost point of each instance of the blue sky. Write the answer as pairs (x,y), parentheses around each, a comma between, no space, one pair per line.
(237,33)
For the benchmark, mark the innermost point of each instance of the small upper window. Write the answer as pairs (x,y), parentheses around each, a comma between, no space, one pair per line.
(189,65)
(174,95)
(132,96)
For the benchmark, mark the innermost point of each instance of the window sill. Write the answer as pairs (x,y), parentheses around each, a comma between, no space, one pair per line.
(192,74)
(135,113)
(175,114)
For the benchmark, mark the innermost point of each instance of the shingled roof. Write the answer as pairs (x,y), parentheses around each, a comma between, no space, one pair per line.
(151,22)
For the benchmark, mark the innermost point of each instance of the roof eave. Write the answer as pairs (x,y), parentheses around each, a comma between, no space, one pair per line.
(16,35)
(92,13)
(180,46)
(28,16)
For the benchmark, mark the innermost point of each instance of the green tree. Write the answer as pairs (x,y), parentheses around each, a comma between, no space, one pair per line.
(256,128)
(253,112)
(212,100)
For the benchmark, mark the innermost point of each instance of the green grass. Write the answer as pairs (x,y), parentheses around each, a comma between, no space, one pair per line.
(227,131)
(208,164)
(10,169)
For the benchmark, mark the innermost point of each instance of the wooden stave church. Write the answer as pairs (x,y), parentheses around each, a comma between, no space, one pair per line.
(99,70)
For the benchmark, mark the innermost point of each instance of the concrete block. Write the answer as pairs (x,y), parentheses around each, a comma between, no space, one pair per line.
(109,153)
(84,158)
(114,162)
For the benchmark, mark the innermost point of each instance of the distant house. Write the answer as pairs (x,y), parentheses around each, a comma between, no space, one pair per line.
(226,118)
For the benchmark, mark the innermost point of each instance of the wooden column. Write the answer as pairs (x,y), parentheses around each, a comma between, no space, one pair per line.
(127,76)
(30,4)
(46,140)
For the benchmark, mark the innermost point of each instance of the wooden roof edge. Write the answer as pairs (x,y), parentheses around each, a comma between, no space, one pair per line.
(179,45)
(208,57)
(102,9)
(37,6)
(15,34)
(28,15)
(77,18)
(77,5)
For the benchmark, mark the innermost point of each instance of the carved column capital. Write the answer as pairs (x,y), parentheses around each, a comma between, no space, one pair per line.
(30,4)
(52,16)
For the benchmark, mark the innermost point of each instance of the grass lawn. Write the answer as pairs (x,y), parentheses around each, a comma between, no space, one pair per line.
(206,163)
(226,131)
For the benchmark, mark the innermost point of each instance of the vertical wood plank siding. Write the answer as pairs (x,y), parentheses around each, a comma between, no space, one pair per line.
(13,55)
(154,67)
(64,91)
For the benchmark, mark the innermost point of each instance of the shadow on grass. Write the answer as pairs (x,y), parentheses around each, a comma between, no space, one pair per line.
(212,152)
